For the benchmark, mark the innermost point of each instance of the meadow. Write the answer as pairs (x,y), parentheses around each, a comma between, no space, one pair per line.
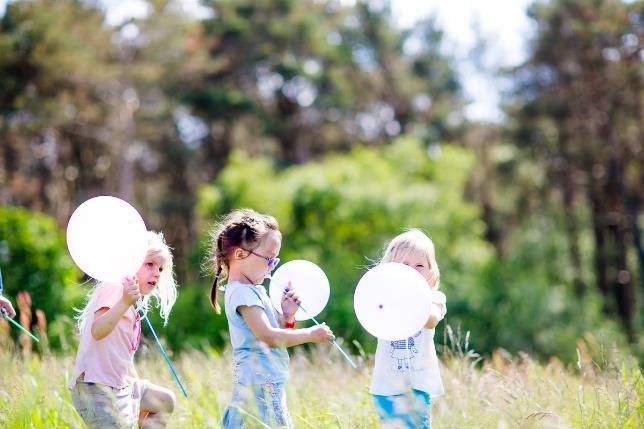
(348,128)
(501,391)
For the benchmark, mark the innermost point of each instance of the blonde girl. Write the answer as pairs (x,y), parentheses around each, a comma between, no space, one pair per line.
(406,373)
(106,389)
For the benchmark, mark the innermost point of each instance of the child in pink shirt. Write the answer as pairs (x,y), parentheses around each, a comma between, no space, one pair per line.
(106,389)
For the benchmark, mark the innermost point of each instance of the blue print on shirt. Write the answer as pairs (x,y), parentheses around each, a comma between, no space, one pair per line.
(400,354)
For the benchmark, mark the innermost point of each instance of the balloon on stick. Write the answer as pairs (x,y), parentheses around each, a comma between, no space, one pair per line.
(107,239)
(312,286)
(392,301)
(308,280)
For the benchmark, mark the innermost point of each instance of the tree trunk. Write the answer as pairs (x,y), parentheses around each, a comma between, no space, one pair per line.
(570,219)
(572,231)
(637,242)
(601,263)
(615,196)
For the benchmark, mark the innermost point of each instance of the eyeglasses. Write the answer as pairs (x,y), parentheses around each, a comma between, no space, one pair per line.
(272,262)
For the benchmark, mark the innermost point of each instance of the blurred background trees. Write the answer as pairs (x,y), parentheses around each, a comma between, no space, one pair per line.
(348,130)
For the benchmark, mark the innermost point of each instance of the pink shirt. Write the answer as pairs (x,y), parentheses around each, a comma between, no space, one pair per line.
(109,361)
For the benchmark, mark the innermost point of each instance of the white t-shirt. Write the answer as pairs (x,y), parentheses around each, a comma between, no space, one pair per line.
(405,364)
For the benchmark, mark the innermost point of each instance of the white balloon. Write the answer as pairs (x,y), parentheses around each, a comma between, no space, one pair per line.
(107,239)
(392,301)
(310,283)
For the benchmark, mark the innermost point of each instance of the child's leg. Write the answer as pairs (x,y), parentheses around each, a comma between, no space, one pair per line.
(245,401)
(102,406)
(409,410)
(257,403)
(156,404)
(275,396)
(422,408)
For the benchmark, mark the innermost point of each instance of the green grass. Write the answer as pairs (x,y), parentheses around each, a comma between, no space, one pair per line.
(325,392)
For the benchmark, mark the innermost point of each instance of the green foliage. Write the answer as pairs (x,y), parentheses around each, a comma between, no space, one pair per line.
(528,303)
(193,322)
(340,212)
(587,54)
(56,48)
(162,104)
(34,259)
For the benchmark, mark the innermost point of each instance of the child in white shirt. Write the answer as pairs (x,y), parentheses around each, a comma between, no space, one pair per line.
(406,373)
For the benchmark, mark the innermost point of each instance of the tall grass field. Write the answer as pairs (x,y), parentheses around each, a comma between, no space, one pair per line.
(325,392)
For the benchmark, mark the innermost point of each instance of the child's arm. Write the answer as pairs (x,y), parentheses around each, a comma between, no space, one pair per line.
(274,337)
(105,319)
(290,304)
(5,305)
(434,316)
(438,309)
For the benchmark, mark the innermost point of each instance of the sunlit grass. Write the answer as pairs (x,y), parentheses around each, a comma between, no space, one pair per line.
(325,392)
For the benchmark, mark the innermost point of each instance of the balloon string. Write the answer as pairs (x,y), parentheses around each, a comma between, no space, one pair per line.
(337,346)
(18,325)
(167,359)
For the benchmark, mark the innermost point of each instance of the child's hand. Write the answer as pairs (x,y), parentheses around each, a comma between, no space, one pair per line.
(290,303)
(131,292)
(321,333)
(5,305)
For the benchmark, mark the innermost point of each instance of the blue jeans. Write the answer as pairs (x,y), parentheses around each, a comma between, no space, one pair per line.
(410,410)
(253,402)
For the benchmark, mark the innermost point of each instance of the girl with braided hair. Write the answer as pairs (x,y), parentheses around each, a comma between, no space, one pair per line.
(244,249)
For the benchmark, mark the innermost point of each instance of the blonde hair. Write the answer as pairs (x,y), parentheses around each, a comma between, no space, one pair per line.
(409,241)
(242,228)
(165,293)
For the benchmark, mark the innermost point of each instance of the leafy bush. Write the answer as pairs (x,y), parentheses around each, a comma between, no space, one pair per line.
(34,258)
(340,212)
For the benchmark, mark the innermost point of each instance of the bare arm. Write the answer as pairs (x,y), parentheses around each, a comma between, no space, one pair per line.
(105,318)
(274,337)
(434,317)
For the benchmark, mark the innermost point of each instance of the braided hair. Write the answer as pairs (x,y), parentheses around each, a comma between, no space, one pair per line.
(243,228)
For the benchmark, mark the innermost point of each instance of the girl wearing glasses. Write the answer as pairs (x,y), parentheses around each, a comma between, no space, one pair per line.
(244,250)
(106,389)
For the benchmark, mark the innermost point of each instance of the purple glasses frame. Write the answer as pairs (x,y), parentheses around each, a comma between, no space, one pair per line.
(272,262)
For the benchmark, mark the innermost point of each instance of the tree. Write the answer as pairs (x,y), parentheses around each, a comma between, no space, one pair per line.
(54,75)
(578,111)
